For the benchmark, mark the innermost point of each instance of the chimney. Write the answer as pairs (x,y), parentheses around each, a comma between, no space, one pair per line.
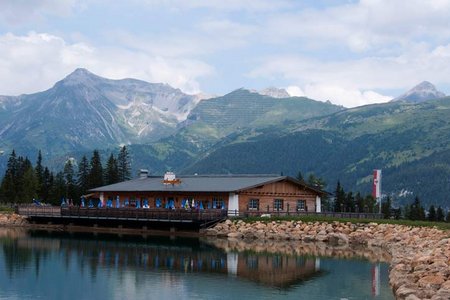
(143,173)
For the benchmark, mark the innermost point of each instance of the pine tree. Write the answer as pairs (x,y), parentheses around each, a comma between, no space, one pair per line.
(47,185)
(417,212)
(83,175)
(8,186)
(123,164)
(111,171)
(440,214)
(300,176)
(432,214)
(69,177)
(386,208)
(359,203)
(29,186)
(349,202)
(39,170)
(339,198)
(447,218)
(58,190)
(96,171)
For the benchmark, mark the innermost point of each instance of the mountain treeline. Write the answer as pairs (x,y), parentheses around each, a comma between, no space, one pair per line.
(23,182)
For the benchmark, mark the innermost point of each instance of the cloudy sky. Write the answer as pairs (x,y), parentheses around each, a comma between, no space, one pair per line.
(349,52)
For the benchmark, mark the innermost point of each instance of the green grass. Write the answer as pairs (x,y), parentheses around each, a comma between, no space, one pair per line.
(440,225)
(6,209)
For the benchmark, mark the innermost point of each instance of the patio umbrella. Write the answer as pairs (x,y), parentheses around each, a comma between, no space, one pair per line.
(193,203)
(90,203)
(138,204)
(201,205)
(82,201)
(117,201)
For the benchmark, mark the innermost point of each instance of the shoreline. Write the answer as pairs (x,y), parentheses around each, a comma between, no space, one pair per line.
(419,256)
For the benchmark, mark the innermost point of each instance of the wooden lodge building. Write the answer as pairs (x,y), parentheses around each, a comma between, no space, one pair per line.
(254,194)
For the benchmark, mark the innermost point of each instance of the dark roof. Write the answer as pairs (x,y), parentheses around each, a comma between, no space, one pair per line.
(199,183)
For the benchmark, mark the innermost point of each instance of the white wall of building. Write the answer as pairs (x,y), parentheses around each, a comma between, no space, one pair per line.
(233,204)
(318,204)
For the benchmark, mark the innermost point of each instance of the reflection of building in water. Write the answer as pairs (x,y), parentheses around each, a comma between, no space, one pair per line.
(171,256)
(277,270)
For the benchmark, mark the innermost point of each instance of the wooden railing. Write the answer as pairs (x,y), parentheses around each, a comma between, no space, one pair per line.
(280,213)
(141,214)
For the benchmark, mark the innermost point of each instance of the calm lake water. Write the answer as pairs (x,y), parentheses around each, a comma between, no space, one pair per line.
(43,265)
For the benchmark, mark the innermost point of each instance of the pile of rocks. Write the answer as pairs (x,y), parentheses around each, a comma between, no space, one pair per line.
(12,220)
(420,264)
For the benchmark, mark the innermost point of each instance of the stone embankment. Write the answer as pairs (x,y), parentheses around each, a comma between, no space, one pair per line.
(420,256)
(12,220)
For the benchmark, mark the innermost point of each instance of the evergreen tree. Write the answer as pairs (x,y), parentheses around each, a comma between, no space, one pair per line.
(349,204)
(47,185)
(416,211)
(432,214)
(386,208)
(111,171)
(440,214)
(123,164)
(96,171)
(447,219)
(83,175)
(300,176)
(8,186)
(69,177)
(59,189)
(316,182)
(29,186)
(369,204)
(39,170)
(359,203)
(339,198)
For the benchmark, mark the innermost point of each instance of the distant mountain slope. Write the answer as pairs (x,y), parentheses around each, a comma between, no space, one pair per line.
(85,111)
(422,92)
(410,142)
(245,109)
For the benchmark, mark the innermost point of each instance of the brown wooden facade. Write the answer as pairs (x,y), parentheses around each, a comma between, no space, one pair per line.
(284,195)
(278,196)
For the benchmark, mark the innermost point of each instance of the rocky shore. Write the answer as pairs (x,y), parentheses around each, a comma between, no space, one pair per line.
(12,220)
(419,256)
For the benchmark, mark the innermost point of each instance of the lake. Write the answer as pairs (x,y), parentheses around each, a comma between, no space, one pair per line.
(59,265)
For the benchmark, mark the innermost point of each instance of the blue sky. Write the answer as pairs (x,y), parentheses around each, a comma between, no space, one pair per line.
(349,52)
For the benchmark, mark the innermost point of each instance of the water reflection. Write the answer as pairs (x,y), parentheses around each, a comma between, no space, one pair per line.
(176,267)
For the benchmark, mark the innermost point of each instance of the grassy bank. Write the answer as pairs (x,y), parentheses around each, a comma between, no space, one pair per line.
(6,210)
(440,225)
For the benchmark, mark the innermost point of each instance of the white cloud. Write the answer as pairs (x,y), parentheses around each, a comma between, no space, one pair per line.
(37,60)
(342,96)
(364,25)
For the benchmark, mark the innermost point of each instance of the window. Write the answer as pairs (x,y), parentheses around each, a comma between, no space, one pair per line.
(278,204)
(301,205)
(218,203)
(252,262)
(253,204)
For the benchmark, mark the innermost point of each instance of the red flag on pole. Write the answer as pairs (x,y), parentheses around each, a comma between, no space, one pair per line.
(376,187)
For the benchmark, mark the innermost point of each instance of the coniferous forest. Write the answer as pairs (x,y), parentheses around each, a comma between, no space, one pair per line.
(23,182)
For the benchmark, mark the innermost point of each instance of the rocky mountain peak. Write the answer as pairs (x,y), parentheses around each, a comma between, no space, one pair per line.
(274,92)
(81,76)
(422,92)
